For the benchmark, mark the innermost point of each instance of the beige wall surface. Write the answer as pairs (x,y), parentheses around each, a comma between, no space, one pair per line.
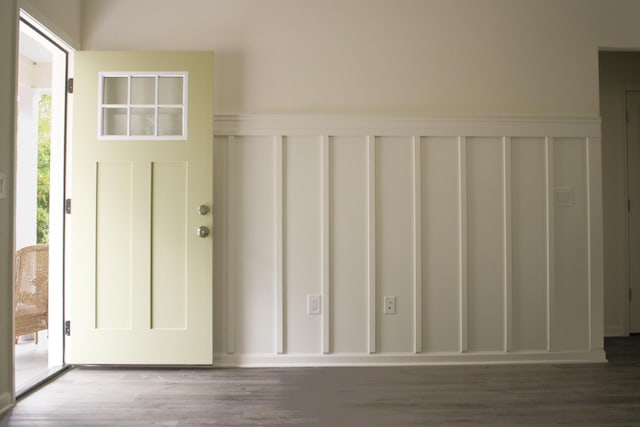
(62,17)
(432,57)
(8,19)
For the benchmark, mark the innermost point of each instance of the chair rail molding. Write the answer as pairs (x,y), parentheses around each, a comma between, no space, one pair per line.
(289,124)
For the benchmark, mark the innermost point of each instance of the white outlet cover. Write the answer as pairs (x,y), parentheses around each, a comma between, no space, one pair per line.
(314,304)
(389,305)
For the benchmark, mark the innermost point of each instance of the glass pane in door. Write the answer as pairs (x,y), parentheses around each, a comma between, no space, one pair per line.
(169,121)
(143,121)
(115,91)
(143,90)
(170,90)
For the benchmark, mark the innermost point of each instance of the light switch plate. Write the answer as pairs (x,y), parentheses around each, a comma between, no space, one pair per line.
(563,196)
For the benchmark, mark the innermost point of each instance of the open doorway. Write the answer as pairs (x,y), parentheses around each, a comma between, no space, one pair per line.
(619,74)
(40,183)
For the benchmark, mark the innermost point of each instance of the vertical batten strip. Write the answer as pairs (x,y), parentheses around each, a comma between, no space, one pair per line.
(508,274)
(550,236)
(326,267)
(417,243)
(595,245)
(462,242)
(371,224)
(278,253)
(231,246)
(589,236)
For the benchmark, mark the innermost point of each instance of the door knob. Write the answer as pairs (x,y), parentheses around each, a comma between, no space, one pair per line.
(203,231)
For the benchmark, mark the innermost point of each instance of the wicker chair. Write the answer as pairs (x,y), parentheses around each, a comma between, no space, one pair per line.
(32,290)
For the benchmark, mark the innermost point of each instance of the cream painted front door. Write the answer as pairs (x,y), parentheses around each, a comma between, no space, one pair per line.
(140,259)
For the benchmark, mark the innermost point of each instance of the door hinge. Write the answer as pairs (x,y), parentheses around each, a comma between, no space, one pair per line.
(70,85)
(67,328)
(67,206)
(629,205)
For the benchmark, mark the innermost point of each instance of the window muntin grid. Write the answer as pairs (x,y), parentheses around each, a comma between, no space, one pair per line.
(143,105)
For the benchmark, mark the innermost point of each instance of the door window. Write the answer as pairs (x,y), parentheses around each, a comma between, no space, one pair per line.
(143,106)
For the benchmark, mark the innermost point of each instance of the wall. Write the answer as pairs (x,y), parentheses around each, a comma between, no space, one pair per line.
(432,57)
(618,71)
(61,17)
(425,58)
(8,82)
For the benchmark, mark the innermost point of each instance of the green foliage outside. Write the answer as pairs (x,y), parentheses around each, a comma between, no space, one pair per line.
(44,163)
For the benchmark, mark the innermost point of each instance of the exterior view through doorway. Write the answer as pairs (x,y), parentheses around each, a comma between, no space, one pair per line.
(40,192)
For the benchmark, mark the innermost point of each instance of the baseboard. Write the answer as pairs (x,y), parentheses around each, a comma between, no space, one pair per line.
(615,332)
(313,360)
(6,402)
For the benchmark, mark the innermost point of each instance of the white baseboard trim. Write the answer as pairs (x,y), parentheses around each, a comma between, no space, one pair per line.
(6,402)
(615,332)
(402,359)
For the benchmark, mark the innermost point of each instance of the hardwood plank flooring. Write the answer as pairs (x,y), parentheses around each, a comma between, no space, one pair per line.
(505,395)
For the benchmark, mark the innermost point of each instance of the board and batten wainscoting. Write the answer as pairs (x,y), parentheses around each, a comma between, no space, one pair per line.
(487,231)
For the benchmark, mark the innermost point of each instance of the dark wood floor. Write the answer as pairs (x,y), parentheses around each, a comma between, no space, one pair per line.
(504,395)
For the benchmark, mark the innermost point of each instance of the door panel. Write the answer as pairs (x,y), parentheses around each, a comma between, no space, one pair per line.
(141,277)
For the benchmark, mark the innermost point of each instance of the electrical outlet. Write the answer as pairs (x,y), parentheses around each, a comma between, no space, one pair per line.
(389,305)
(314,304)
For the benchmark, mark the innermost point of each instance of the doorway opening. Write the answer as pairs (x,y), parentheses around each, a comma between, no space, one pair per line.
(619,75)
(40,190)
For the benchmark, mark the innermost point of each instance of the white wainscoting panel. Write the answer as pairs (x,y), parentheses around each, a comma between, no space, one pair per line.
(349,244)
(570,298)
(440,245)
(255,243)
(485,250)
(394,242)
(484,230)
(528,243)
(303,242)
